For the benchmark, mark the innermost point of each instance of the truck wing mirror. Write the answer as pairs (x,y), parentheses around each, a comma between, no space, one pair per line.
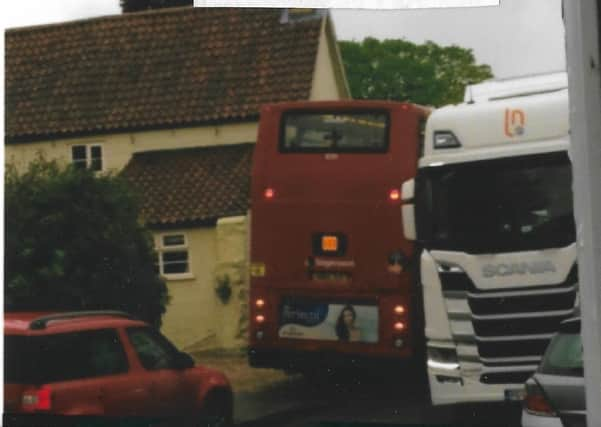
(408,209)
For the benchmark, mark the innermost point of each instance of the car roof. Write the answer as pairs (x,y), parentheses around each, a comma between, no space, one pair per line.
(20,323)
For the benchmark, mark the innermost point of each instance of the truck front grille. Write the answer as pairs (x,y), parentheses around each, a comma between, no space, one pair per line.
(514,348)
(518,326)
(505,377)
(511,326)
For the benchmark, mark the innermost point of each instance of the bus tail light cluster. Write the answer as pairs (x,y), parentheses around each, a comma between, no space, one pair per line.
(259,316)
(37,399)
(399,324)
(269,193)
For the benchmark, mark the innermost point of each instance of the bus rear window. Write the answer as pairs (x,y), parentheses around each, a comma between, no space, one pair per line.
(364,132)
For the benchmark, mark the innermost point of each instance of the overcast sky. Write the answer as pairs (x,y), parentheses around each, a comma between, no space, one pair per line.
(518,37)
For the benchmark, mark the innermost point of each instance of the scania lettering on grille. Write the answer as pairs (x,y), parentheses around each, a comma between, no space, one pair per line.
(509,269)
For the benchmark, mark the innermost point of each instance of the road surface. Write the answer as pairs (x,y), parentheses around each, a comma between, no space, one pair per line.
(383,402)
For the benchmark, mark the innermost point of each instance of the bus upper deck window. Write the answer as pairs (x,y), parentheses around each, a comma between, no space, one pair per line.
(362,132)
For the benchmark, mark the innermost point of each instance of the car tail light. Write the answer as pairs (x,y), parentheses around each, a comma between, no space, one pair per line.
(535,401)
(260,303)
(260,318)
(38,400)
(399,309)
(394,194)
(269,193)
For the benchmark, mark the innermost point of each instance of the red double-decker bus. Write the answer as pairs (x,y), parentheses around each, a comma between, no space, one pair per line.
(331,282)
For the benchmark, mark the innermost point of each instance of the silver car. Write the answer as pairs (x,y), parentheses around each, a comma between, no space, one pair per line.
(555,393)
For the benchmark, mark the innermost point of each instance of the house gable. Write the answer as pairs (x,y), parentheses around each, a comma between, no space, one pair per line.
(329,78)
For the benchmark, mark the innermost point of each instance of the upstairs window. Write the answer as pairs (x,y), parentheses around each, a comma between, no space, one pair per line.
(87,156)
(172,255)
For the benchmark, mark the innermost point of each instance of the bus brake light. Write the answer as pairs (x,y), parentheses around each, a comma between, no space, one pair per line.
(399,326)
(260,318)
(269,193)
(394,194)
(399,309)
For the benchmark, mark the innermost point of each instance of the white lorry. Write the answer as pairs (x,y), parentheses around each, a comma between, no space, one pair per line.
(492,208)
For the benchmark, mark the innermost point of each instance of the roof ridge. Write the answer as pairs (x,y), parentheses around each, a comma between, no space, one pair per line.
(160,11)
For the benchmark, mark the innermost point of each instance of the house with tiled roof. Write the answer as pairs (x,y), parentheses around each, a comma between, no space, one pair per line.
(171,99)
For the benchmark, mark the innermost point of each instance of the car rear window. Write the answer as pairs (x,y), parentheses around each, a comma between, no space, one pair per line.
(563,356)
(361,132)
(62,357)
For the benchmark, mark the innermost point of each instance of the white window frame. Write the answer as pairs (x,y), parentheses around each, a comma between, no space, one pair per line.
(161,249)
(88,147)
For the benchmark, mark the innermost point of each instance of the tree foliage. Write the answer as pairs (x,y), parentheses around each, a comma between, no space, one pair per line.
(139,5)
(400,70)
(73,241)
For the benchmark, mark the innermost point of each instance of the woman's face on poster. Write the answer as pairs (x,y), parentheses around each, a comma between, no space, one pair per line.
(348,317)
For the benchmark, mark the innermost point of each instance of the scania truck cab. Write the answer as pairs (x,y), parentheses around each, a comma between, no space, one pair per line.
(492,209)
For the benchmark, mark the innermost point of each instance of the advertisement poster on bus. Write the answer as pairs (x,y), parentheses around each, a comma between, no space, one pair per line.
(303,319)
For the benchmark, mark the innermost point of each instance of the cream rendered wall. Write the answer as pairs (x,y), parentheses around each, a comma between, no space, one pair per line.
(196,319)
(232,263)
(118,148)
(191,320)
(325,85)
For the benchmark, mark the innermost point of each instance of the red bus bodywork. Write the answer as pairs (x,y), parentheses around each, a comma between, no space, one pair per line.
(353,195)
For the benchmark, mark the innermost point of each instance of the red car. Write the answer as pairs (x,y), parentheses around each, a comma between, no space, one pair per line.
(105,363)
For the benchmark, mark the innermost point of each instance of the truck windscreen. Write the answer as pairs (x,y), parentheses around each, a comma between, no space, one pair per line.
(356,132)
(502,205)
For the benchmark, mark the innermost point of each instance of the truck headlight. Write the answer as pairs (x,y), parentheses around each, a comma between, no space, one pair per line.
(446,139)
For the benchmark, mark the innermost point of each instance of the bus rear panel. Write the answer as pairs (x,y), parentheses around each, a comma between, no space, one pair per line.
(331,279)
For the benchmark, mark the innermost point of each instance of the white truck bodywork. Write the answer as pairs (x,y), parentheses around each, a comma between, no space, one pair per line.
(510,119)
